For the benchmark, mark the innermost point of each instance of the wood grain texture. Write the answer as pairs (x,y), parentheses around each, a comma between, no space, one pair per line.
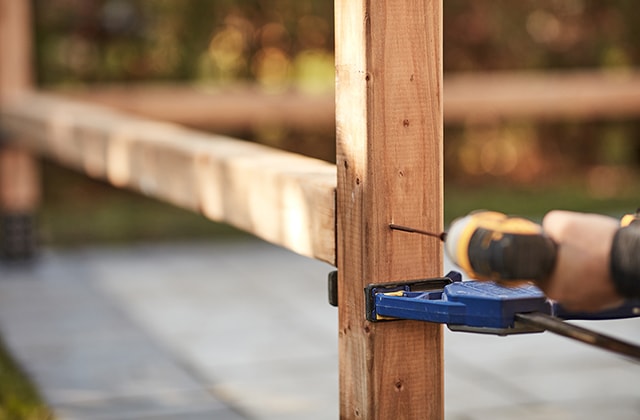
(284,198)
(389,141)
(19,175)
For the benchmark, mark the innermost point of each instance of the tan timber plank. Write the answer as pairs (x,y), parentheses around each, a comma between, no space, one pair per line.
(389,142)
(281,197)
(468,97)
(233,108)
(578,94)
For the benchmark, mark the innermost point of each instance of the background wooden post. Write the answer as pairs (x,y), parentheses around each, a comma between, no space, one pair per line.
(389,139)
(19,183)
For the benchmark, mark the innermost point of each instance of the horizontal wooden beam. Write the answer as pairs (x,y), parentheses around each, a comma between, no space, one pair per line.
(472,97)
(231,109)
(284,198)
(542,95)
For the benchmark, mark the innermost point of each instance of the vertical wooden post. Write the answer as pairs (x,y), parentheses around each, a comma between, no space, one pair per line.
(19,183)
(389,157)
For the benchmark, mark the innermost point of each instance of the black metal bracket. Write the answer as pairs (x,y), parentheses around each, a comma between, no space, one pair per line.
(333,288)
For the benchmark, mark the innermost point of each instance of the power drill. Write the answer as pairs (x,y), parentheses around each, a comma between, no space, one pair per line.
(492,246)
(489,245)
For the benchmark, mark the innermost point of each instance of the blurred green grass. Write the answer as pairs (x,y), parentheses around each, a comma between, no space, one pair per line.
(18,397)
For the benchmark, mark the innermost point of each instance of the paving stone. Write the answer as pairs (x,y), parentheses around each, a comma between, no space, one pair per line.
(244,330)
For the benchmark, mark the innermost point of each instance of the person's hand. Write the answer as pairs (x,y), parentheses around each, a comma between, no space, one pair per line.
(581,280)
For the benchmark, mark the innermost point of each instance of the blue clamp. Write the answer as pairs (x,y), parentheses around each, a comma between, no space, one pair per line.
(471,306)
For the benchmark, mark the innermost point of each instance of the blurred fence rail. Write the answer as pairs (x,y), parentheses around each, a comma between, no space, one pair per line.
(585,94)
(232,109)
(468,98)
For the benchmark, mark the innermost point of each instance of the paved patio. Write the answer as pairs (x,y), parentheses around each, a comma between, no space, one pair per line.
(243,330)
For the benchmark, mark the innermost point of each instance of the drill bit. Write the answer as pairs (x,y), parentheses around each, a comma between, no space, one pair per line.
(442,236)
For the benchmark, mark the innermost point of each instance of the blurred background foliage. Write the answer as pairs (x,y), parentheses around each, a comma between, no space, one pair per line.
(282,45)
(279,44)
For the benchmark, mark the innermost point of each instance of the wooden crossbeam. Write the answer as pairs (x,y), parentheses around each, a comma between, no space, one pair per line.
(284,198)
(233,108)
(476,97)
(471,97)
